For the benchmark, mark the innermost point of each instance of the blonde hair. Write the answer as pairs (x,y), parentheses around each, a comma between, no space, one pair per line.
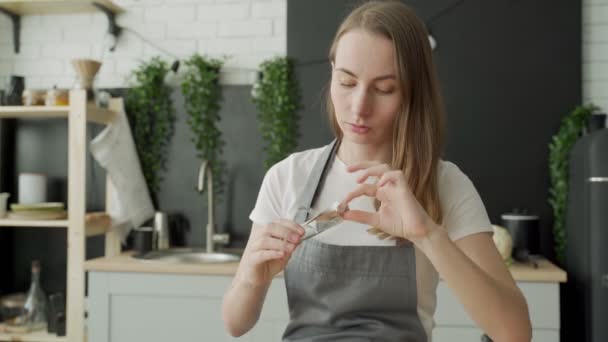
(418,134)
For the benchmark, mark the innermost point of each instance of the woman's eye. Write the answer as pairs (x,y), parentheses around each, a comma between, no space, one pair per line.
(347,84)
(384,91)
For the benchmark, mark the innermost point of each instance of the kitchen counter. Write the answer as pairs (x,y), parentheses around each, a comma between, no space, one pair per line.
(545,272)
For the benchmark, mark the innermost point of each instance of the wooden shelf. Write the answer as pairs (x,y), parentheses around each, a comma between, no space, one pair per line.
(38,112)
(34,223)
(28,7)
(96,223)
(36,336)
(94,114)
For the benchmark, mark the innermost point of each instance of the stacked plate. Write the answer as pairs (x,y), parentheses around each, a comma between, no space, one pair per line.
(38,211)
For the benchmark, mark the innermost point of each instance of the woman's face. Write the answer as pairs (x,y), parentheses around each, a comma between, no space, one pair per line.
(364,87)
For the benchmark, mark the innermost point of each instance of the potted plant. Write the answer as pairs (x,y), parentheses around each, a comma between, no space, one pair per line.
(559,154)
(152,116)
(276,96)
(203,94)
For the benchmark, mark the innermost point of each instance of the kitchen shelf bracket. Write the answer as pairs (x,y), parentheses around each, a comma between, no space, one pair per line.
(16,19)
(113,28)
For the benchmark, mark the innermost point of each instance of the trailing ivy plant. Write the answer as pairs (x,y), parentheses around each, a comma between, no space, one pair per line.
(276,96)
(202,95)
(152,116)
(559,154)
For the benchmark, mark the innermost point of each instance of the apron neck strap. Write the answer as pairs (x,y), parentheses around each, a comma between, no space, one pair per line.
(315,181)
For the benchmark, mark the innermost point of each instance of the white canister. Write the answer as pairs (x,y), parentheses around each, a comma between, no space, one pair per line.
(32,188)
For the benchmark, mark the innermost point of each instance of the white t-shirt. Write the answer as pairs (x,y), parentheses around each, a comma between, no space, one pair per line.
(463,212)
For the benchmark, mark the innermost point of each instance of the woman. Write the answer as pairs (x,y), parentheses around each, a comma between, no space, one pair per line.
(345,283)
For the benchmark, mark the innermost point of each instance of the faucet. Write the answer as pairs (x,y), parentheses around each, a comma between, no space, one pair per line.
(212,238)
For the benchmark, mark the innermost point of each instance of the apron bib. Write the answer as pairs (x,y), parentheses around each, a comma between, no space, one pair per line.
(349,293)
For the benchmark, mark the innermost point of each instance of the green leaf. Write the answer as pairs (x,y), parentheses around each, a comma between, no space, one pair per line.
(151,117)
(559,153)
(202,95)
(277,101)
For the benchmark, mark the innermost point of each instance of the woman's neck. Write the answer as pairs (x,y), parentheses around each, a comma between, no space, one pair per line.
(351,153)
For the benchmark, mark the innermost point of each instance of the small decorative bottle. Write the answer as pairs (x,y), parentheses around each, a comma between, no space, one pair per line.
(35,302)
(34,311)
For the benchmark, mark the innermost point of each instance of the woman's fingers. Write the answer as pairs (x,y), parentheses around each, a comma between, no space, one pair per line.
(394,176)
(374,171)
(270,243)
(292,225)
(363,217)
(284,230)
(361,190)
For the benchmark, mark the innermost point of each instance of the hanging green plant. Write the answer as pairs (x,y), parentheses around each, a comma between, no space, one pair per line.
(559,154)
(202,95)
(152,116)
(276,96)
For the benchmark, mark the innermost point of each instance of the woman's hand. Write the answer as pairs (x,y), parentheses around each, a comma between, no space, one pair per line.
(268,250)
(399,214)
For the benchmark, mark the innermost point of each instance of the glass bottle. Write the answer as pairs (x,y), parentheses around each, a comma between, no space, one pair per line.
(34,310)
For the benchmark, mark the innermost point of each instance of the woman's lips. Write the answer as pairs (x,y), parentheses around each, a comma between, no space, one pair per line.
(359,129)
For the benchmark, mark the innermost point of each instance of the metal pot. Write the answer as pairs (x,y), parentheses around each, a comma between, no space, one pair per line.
(524,230)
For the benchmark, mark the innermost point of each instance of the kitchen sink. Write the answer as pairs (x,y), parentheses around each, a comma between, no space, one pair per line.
(188,256)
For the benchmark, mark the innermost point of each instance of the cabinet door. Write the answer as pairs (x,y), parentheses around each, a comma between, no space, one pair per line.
(470,334)
(542,298)
(126,307)
(160,307)
(157,318)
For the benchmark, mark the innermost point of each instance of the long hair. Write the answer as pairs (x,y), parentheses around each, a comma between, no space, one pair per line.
(418,135)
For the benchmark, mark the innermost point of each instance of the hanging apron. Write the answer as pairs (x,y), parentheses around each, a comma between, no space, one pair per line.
(349,293)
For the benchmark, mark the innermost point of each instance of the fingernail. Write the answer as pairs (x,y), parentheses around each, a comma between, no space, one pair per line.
(294,237)
(289,247)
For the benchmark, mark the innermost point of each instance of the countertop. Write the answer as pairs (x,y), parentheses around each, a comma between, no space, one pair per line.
(545,272)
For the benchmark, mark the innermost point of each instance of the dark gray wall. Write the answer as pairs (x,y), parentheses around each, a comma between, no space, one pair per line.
(509,71)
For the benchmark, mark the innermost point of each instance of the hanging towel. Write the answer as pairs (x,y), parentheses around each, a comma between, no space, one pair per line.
(114,150)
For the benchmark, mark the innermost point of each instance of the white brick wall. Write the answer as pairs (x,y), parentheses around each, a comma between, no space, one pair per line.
(248,31)
(595,52)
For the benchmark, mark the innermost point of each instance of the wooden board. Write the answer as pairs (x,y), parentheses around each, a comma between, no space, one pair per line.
(94,114)
(35,336)
(29,7)
(546,271)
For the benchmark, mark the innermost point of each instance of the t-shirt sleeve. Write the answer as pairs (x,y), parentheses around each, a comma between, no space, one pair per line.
(464,211)
(268,204)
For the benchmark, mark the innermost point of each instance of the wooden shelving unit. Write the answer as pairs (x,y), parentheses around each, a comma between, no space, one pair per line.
(79,224)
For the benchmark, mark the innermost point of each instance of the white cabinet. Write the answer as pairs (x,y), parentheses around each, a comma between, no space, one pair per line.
(454,325)
(127,307)
(154,307)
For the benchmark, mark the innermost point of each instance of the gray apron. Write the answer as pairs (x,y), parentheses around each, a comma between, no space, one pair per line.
(349,293)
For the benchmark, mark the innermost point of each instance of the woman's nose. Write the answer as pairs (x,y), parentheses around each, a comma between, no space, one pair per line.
(361,105)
